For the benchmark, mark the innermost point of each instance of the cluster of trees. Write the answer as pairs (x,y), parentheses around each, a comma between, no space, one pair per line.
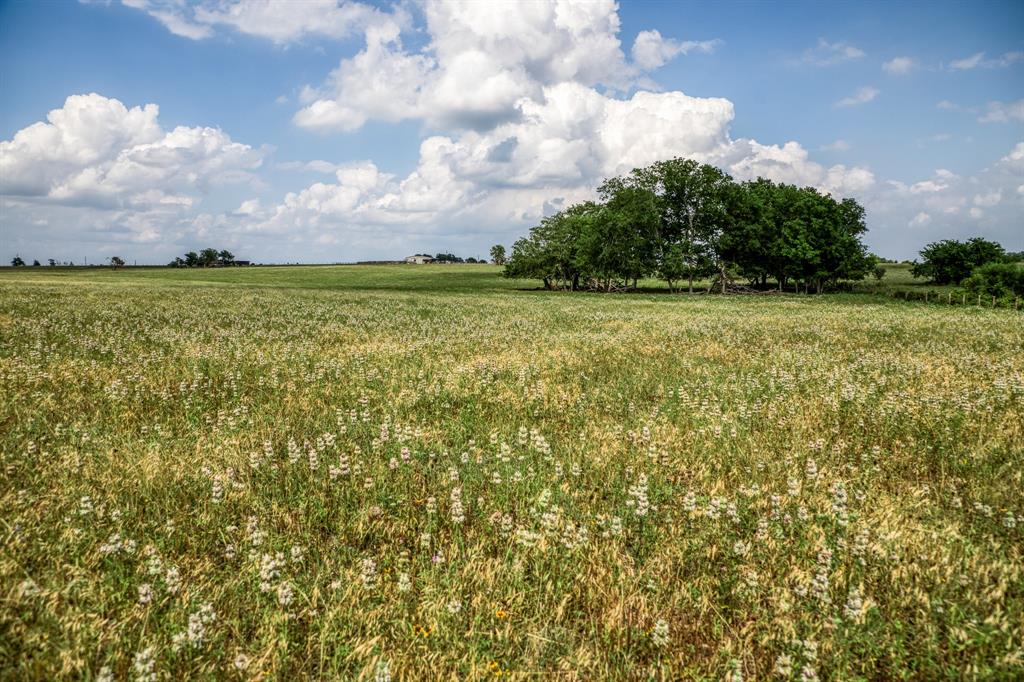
(19,262)
(682,221)
(951,262)
(207,258)
(452,258)
(982,266)
(997,279)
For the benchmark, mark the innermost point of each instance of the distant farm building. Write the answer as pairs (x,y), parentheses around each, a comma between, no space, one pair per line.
(419,259)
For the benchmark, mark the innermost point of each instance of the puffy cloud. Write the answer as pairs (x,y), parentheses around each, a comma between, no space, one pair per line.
(920,220)
(977,60)
(96,157)
(1003,112)
(837,146)
(990,199)
(509,52)
(899,66)
(862,96)
(555,151)
(276,20)
(828,54)
(651,50)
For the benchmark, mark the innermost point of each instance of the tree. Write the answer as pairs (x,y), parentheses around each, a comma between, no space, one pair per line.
(209,257)
(226,257)
(997,279)
(551,253)
(879,272)
(116,262)
(620,239)
(36,263)
(52,262)
(950,261)
(17,262)
(191,259)
(177,263)
(691,204)
(498,254)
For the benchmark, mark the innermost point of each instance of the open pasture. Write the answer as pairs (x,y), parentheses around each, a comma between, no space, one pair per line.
(428,473)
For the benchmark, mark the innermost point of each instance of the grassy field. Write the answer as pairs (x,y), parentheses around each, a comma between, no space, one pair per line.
(430,473)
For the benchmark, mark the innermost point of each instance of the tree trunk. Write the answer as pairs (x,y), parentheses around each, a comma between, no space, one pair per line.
(691,281)
(721,273)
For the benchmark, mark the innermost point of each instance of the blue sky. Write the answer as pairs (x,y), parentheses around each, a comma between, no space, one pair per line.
(326,131)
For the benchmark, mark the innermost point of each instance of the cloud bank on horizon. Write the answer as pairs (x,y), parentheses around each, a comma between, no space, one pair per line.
(521,108)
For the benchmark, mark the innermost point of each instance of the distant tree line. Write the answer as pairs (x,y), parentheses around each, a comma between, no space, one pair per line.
(683,221)
(980,265)
(207,258)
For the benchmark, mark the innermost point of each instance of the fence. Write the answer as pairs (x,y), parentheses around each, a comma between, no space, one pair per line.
(962,299)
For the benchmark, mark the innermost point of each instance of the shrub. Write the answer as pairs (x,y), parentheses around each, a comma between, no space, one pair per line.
(997,279)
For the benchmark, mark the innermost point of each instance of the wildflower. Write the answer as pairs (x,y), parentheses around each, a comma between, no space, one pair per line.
(383,672)
(639,500)
(457,512)
(368,573)
(500,614)
(105,674)
(143,664)
(197,622)
(217,491)
(784,665)
(659,635)
(285,593)
(241,662)
(28,588)
(454,606)
(270,570)
(854,604)
(297,554)
(145,593)
(172,579)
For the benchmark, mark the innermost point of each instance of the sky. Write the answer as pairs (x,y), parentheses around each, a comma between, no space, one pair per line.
(334,131)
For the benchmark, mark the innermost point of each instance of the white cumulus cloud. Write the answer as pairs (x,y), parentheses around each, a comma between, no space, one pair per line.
(651,50)
(899,66)
(862,96)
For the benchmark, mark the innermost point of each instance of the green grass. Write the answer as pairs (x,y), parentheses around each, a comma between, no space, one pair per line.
(828,485)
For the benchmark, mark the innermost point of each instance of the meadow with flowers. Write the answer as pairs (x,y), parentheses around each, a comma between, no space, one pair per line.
(425,473)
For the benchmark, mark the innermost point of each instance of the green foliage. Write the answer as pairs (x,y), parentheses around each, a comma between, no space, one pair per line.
(997,279)
(17,262)
(950,261)
(498,254)
(682,220)
(879,272)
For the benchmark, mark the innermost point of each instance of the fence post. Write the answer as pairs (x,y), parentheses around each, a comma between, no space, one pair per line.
(926,297)
(963,300)
(979,299)
(993,301)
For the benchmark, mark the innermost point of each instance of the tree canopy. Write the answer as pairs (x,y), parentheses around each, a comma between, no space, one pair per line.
(681,221)
(951,262)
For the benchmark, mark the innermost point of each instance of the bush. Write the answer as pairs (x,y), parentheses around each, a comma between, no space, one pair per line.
(997,279)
